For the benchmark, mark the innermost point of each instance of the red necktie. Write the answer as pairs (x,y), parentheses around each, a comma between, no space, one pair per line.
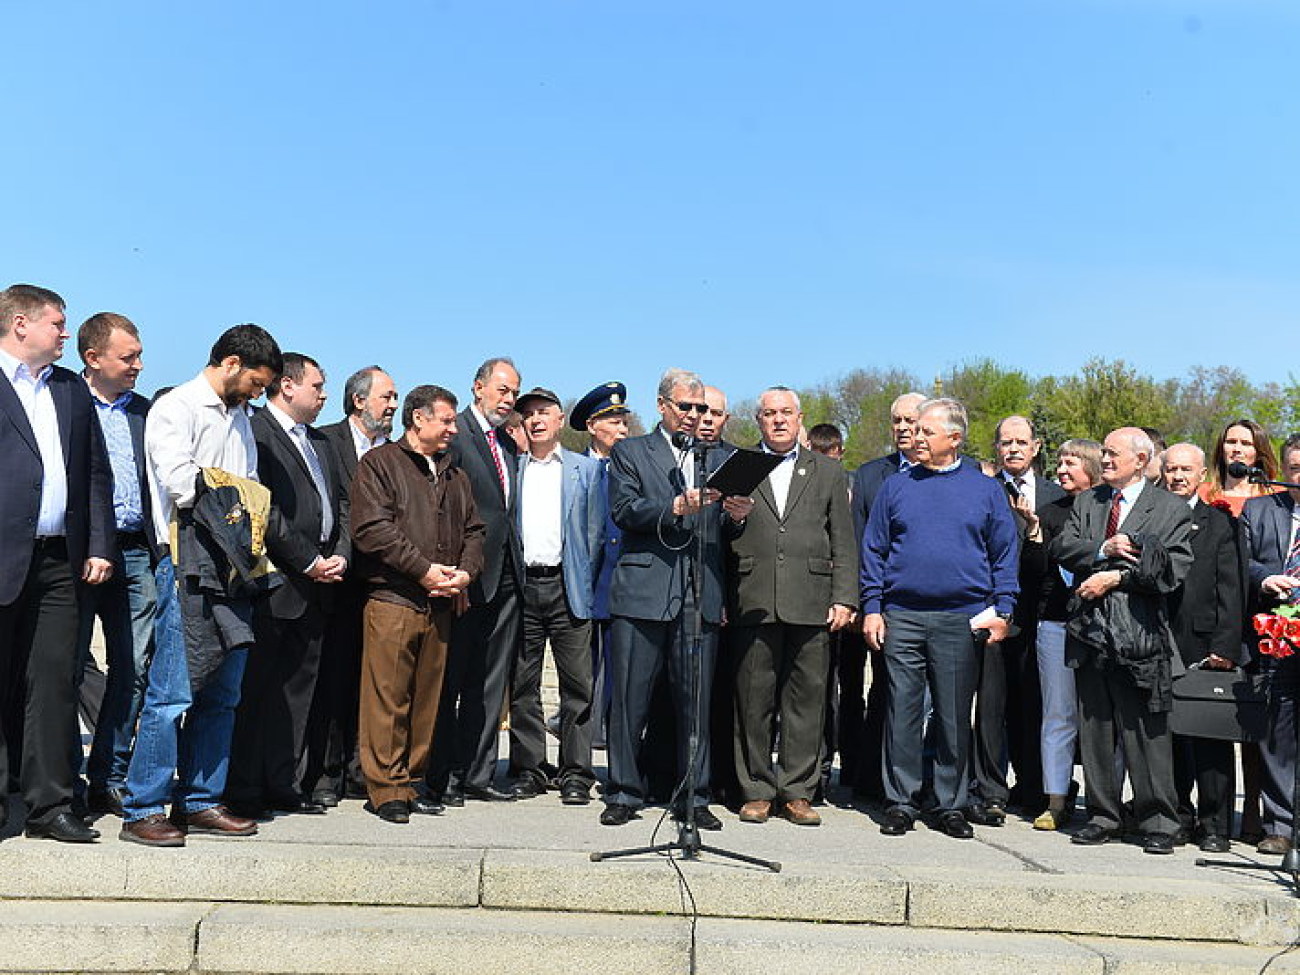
(1112,523)
(496,459)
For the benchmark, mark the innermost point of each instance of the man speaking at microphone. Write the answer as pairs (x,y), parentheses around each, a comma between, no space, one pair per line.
(652,597)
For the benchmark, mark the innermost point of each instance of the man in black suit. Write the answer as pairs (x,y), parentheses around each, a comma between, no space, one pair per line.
(307,539)
(1128,544)
(333,767)
(792,580)
(485,638)
(56,527)
(1206,616)
(652,597)
(1269,540)
(109,345)
(1008,702)
(861,709)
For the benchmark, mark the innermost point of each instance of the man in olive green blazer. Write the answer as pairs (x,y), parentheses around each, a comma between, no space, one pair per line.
(792,578)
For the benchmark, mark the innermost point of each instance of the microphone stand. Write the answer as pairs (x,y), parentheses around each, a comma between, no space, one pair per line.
(1291,860)
(688,841)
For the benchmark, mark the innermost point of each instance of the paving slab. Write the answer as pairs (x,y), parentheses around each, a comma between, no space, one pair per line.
(62,936)
(1123,906)
(548,880)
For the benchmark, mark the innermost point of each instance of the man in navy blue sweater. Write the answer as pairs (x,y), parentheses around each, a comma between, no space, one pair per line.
(940,549)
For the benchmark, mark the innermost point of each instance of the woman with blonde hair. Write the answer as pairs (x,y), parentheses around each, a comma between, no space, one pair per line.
(1078,468)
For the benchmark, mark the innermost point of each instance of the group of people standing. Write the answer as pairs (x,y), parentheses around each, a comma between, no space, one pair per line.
(294,615)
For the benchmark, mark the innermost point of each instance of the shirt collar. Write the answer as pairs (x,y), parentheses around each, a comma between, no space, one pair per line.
(483,423)
(117,404)
(789,455)
(12,366)
(286,422)
(554,457)
(1134,490)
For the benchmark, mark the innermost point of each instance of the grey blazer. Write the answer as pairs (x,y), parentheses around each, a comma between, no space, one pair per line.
(651,578)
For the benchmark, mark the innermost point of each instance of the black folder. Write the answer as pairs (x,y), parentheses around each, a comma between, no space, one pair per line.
(742,472)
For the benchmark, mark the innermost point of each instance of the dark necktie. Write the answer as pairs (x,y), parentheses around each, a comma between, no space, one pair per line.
(1112,523)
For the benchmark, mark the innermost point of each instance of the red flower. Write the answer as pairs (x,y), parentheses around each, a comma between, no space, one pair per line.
(1291,629)
(1260,621)
(1222,505)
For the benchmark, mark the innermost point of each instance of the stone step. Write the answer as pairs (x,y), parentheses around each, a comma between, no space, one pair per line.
(515,880)
(107,936)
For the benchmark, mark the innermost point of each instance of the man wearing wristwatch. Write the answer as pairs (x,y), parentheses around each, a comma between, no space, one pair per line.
(1129,544)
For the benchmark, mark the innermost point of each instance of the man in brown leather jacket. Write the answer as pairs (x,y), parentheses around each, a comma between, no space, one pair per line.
(420,544)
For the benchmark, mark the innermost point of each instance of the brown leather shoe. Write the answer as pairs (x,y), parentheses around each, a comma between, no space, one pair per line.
(155,830)
(755,811)
(801,813)
(213,821)
(1276,845)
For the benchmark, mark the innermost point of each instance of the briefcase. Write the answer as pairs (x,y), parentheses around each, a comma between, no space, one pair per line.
(1225,704)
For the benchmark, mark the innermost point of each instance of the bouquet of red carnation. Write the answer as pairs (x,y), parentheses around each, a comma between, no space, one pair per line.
(1279,633)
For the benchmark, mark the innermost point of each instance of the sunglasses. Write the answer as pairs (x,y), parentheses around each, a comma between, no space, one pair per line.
(700,408)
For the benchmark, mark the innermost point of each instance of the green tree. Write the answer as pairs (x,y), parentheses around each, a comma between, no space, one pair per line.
(989,392)
(1106,395)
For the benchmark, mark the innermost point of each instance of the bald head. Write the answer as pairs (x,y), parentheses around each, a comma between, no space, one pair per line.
(1124,456)
(715,420)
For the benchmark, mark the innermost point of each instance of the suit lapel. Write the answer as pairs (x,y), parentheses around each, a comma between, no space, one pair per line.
(798,481)
(12,407)
(764,491)
(1282,521)
(479,439)
(61,393)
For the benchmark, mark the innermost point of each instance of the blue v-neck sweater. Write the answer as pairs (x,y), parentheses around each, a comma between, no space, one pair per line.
(940,540)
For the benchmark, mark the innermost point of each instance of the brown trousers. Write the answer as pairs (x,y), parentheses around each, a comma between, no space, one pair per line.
(404,655)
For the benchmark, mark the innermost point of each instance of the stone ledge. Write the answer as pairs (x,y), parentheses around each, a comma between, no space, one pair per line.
(530,880)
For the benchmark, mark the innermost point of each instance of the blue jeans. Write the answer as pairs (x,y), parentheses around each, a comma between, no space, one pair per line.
(125,607)
(198,754)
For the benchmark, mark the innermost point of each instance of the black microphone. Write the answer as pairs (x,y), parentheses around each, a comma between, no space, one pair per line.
(1238,469)
(684,441)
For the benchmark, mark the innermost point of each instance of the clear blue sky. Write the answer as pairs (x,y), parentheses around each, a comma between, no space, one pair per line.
(765,192)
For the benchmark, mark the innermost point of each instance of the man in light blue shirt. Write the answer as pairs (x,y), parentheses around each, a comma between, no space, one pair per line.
(109,345)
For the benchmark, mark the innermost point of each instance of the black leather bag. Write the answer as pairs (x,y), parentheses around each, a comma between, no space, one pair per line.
(1225,704)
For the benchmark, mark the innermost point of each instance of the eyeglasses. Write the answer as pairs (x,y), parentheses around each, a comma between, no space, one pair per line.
(700,408)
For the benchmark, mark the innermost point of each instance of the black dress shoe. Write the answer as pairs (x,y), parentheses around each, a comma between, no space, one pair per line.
(1182,836)
(897,822)
(526,787)
(64,827)
(487,793)
(1158,843)
(393,811)
(955,825)
(452,797)
(1215,843)
(575,793)
(325,797)
(296,804)
(617,814)
(704,819)
(106,802)
(1094,834)
(986,814)
(427,807)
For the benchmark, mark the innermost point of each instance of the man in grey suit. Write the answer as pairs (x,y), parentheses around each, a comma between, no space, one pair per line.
(792,576)
(485,638)
(653,601)
(561,514)
(1128,544)
(1269,538)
